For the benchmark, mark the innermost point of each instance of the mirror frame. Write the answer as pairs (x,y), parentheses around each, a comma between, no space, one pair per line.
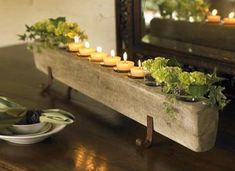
(128,32)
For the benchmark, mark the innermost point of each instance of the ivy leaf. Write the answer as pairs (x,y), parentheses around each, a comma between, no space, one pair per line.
(217,97)
(22,37)
(28,28)
(57,20)
(198,91)
(213,78)
(173,62)
(31,36)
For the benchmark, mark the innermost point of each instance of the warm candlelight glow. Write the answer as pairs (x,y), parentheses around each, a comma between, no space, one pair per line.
(125,65)
(86,51)
(99,49)
(112,53)
(125,56)
(139,63)
(98,56)
(137,71)
(76,39)
(213,17)
(112,59)
(87,45)
(230,20)
(231,15)
(214,12)
(76,45)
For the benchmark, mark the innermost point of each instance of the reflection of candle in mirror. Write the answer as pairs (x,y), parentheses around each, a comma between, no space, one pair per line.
(86,51)
(76,45)
(125,65)
(112,59)
(98,56)
(230,20)
(137,71)
(213,18)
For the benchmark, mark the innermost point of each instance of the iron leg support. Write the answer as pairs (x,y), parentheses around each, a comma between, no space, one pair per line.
(149,137)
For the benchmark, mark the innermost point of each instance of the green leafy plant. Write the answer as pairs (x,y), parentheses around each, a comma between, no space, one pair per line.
(51,33)
(168,77)
(190,86)
(153,64)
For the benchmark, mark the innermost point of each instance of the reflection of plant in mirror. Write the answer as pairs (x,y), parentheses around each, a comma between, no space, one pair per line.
(197,9)
(190,10)
(167,7)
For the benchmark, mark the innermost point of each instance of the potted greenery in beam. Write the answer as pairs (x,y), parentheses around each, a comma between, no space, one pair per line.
(51,33)
(187,86)
(150,66)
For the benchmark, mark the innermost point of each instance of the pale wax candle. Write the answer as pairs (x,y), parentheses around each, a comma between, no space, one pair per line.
(86,51)
(124,65)
(137,71)
(112,59)
(230,20)
(98,56)
(76,45)
(213,18)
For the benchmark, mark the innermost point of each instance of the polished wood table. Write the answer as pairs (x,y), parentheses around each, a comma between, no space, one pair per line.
(101,139)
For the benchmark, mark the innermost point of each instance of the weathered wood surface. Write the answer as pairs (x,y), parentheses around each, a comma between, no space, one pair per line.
(195,125)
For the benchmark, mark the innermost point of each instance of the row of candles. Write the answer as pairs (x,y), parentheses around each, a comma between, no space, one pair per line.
(112,60)
(214,18)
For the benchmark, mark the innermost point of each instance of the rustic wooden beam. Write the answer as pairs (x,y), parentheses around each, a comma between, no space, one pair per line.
(194,125)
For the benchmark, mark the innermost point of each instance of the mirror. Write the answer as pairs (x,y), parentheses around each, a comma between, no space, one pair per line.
(199,27)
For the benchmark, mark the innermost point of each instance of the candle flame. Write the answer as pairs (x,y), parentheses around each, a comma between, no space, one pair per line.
(87,44)
(231,15)
(99,49)
(76,39)
(125,56)
(112,53)
(139,63)
(214,12)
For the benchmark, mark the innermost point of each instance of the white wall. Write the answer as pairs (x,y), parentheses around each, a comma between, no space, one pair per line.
(96,17)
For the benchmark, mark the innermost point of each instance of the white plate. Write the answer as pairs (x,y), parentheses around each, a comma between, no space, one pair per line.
(32,138)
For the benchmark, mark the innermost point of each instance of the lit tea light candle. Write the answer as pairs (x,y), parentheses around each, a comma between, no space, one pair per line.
(76,45)
(86,51)
(112,59)
(213,18)
(230,20)
(98,56)
(124,65)
(137,71)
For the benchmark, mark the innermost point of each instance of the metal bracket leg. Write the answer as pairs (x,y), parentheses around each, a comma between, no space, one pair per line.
(149,137)
(69,93)
(47,87)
